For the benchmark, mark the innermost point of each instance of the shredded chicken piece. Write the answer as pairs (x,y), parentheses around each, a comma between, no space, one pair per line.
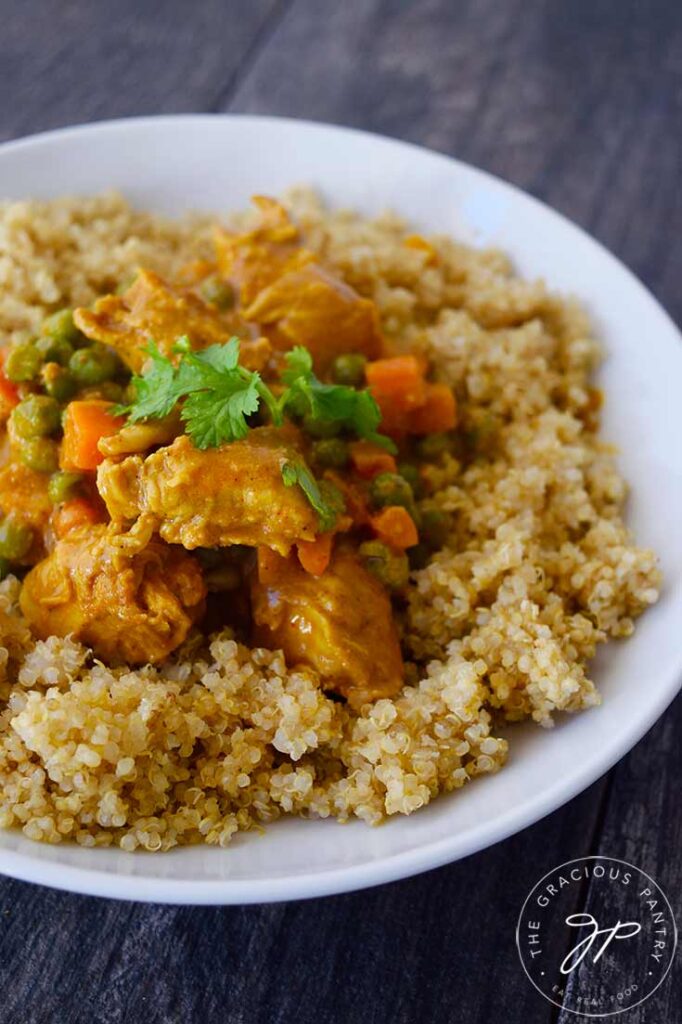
(339,623)
(233,494)
(131,608)
(252,260)
(294,300)
(153,309)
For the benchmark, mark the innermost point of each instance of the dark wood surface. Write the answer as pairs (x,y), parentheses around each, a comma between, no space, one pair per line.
(578,102)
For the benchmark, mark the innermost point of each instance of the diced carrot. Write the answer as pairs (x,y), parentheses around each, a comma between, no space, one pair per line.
(270,565)
(73,513)
(9,396)
(437,414)
(315,555)
(395,526)
(417,242)
(9,393)
(85,422)
(397,383)
(369,459)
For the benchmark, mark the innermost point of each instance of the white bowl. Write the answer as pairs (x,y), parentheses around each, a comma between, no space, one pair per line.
(214,163)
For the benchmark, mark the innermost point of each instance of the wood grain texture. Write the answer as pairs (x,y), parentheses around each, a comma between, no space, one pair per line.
(642,825)
(72,61)
(578,102)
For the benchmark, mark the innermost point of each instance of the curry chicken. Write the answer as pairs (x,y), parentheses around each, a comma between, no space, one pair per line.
(241,446)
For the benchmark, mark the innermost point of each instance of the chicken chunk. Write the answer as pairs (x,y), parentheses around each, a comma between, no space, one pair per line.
(339,624)
(151,308)
(252,260)
(233,494)
(309,306)
(293,299)
(134,608)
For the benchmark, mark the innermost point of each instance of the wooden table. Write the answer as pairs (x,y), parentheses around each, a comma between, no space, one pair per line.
(580,103)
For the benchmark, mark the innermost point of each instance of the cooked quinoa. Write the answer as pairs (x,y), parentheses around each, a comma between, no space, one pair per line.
(501,624)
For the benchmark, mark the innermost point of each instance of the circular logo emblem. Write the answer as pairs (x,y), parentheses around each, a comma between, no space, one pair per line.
(596,936)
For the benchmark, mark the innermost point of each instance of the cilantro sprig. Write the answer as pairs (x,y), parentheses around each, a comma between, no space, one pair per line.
(217,393)
(218,396)
(351,409)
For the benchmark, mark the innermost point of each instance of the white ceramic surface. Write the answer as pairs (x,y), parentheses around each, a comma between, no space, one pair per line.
(216,163)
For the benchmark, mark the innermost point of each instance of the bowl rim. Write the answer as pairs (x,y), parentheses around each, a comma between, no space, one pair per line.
(96,882)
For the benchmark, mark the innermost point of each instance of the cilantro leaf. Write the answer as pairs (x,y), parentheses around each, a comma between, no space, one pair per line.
(367,417)
(221,358)
(353,410)
(218,393)
(220,414)
(156,390)
(327,504)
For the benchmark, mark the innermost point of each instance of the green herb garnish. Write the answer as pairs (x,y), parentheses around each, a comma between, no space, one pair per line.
(327,501)
(350,408)
(218,395)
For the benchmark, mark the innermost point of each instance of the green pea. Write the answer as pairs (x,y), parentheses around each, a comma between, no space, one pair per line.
(112,391)
(349,369)
(4,568)
(435,528)
(63,486)
(22,363)
(431,447)
(391,489)
(410,473)
(55,350)
(129,393)
(36,416)
(15,539)
(94,365)
(330,453)
(60,326)
(218,293)
(40,454)
(108,390)
(390,567)
(58,382)
(321,428)
(419,556)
